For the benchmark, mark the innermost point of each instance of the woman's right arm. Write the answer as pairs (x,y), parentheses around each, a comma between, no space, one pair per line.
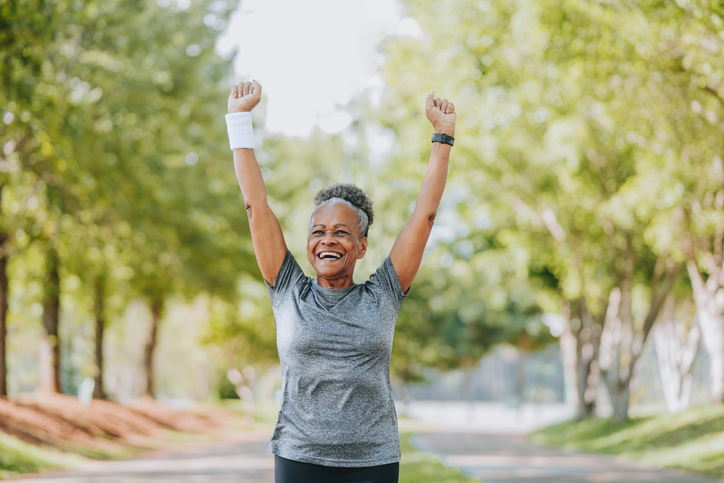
(266,234)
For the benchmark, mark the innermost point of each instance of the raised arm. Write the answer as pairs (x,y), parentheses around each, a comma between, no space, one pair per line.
(407,251)
(266,234)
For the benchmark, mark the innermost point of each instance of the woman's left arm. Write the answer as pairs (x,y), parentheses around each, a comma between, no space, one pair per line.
(406,254)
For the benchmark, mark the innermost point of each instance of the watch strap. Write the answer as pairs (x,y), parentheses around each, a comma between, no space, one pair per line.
(439,137)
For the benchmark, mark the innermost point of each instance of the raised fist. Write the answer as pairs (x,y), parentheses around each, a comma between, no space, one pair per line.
(244,96)
(441,114)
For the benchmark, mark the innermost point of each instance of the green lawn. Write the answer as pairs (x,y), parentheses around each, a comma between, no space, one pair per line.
(17,457)
(419,467)
(692,440)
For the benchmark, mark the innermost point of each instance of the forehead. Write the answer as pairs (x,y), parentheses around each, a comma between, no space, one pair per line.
(335,213)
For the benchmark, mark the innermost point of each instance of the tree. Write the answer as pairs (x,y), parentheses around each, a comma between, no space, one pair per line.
(685,39)
(98,120)
(24,36)
(559,146)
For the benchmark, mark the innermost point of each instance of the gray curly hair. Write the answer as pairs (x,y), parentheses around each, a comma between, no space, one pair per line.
(350,195)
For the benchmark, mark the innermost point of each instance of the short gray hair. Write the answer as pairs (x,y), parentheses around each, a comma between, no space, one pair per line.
(361,215)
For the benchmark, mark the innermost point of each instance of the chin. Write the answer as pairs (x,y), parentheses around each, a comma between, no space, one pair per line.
(327,272)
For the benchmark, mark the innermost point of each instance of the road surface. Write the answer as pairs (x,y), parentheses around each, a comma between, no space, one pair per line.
(501,458)
(244,461)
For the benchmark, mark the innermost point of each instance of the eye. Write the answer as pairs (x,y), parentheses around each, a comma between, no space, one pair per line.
(317,232)
(341,232)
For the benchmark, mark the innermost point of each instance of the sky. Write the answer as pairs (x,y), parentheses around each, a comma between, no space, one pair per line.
(312,56)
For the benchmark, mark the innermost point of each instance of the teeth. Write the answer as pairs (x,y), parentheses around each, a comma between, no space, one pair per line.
(332,254)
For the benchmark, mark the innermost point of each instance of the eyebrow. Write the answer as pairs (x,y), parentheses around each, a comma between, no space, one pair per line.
(338,224)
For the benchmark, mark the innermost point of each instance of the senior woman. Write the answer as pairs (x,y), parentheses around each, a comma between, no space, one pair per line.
(337,420)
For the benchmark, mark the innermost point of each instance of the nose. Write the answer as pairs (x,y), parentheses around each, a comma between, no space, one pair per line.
(329,239)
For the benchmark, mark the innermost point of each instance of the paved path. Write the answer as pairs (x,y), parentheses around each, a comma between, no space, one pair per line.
(500,458)
(244,461)
(493,458)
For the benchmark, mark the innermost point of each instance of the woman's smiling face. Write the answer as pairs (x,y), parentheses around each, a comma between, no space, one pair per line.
(335,244)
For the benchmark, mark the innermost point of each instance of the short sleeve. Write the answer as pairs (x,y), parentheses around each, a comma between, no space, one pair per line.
(289,274)
(386,279)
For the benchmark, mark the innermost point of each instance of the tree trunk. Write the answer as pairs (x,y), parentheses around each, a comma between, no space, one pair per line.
(581,337)
(676,336)
(156,312)
(4,241)
(615,339)
(623,338)
(620,399)
(3,315)
(51,317)
(588,337)
(709,311)
(586,375)
(100,322)
(567,344)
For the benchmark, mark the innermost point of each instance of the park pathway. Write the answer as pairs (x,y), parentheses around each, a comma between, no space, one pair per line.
(505,458)
(492,458)
(245,460)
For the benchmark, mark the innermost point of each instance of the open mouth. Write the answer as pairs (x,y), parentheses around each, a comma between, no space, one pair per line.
(329,255)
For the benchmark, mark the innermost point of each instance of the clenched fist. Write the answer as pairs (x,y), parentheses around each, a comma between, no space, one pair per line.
(441,114)
(244,96)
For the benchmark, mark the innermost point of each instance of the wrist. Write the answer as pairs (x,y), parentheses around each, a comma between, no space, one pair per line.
(445,128)
(443,139)
(241,132)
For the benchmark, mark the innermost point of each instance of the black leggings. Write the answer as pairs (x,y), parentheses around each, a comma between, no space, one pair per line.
(288,471)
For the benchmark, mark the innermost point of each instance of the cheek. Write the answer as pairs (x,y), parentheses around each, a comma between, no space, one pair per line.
(355,247)
(310,247)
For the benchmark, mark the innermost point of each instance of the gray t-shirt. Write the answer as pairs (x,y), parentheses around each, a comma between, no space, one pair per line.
(334,347)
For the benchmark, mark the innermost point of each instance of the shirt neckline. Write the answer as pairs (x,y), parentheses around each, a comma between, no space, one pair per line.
(332,291)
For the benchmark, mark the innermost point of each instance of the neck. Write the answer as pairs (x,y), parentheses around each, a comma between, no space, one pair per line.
(335,283)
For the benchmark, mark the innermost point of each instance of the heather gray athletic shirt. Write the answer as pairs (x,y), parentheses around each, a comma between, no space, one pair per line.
(334,347)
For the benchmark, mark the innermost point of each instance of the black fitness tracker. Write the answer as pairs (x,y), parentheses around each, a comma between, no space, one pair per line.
(439,137)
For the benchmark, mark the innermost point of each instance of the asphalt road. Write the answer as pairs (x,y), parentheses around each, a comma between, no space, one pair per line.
(501,458)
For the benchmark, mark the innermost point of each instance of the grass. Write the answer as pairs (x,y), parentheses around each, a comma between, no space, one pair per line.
(419,467)
(691,441)
(17,457)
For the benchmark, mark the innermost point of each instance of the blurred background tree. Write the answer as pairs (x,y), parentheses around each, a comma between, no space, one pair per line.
(567,142)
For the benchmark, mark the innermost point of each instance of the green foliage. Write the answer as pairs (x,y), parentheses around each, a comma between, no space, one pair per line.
(244,333)
(689,440)
(226,389)
(584,131)
(109,147)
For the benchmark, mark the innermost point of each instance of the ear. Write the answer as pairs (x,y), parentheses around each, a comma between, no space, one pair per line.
(363,243)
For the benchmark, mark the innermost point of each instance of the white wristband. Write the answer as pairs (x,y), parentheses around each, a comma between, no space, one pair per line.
(241,132)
